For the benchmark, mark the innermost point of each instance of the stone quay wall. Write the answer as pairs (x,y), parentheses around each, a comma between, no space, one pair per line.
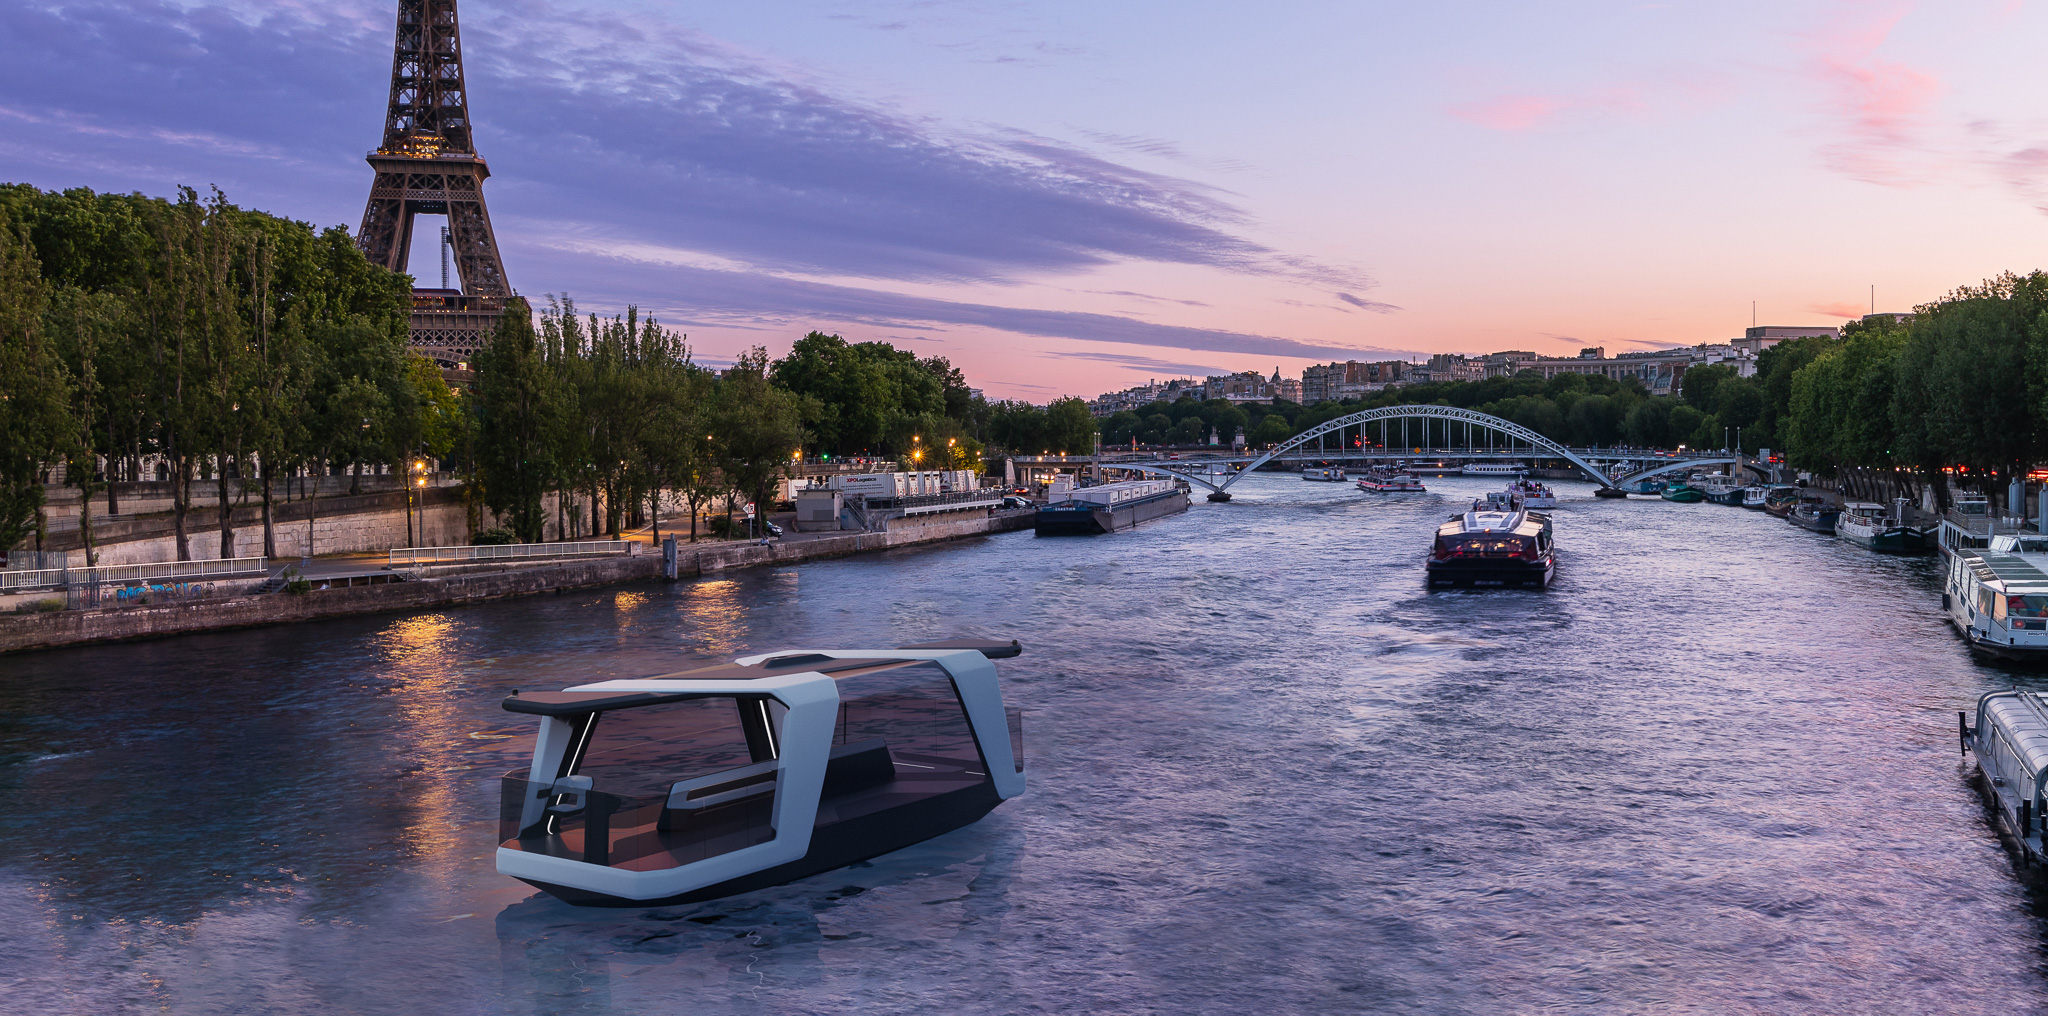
(75,627)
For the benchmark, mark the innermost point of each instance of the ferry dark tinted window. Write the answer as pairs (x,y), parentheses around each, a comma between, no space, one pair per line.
(914,709)
(646,750)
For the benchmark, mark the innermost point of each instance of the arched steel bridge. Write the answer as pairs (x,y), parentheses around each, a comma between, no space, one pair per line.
(1539,446)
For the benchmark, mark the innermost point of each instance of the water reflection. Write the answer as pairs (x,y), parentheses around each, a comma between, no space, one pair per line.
(1713,768)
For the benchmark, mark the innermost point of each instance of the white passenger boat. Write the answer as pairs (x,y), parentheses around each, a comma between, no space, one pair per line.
(1494,469)
(1390,480)
(1323,474)
(1998,598)
(1754,496)
(1533,494)
(1495,544)
(719,780)
(2010,740)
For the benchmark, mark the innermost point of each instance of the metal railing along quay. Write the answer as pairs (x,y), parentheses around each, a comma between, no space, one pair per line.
(181,571)
(408,556)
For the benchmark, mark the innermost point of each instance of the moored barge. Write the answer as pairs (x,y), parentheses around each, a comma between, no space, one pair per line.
(1494,544)
(1997,598)
(1110,508)
(2010,740)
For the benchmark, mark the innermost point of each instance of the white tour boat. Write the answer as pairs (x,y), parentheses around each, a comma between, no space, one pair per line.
(1390,480)
(1323,474)
(1998,597)
(1494,469)
(1533,494)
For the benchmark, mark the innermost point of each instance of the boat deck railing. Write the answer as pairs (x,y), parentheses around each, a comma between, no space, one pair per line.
(1984,524)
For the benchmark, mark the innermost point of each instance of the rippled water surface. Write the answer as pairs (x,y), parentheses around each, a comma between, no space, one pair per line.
(1712,769)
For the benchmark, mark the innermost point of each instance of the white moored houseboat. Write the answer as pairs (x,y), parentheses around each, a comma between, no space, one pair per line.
(723,779)
(1998,597)
(1494,469)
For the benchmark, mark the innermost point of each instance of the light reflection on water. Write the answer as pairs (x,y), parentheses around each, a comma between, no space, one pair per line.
(1711,770)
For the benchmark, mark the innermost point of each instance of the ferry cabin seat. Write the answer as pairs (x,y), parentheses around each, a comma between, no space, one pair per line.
(851,767)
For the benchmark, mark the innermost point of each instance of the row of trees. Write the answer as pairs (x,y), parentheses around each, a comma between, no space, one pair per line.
(1959,389)
(225,343)
(612,417)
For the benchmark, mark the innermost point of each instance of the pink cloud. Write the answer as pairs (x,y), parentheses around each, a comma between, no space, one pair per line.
(1666,89)
(1838,310)
(1878,107)
(1511,112)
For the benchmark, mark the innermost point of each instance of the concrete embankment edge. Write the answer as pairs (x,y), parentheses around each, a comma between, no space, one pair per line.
(76,627)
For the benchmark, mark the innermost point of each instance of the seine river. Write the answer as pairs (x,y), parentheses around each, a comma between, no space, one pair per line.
(1713,769)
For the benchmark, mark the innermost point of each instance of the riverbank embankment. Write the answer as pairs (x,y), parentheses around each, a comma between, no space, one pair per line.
(429,588)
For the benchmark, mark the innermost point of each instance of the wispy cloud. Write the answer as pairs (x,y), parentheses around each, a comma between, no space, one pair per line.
(1141,364)
(709,297)
(1363,304)
(645,132)
(1838,310)
(1665,90)
(1878,108)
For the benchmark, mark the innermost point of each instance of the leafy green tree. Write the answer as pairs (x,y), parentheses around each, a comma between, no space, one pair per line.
(36,425)
(757,427)
(514,418)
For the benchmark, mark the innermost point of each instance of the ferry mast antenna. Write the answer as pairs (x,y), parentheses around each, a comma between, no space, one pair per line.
(428,164)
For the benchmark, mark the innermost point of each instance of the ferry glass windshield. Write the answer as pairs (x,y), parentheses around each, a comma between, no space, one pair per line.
(646,750)
(913,709)
(1484,546)
(2026,606)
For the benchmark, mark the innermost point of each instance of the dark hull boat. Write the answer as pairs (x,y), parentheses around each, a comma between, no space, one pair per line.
(1818,516)
(704,783)
(1110,508)
(1493,545)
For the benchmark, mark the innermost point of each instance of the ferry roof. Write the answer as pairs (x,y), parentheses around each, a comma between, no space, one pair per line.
(2012,572)
(1518,523)
(571,703)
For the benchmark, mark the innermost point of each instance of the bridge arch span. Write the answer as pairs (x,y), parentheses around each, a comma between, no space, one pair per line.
(1453,414)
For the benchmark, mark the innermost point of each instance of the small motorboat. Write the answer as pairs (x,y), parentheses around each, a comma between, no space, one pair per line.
(1875,527)
(1779,500)
(1680,492)
(1814,513)
(1719,488)
(1494,544)
(1323,474)
(719,780)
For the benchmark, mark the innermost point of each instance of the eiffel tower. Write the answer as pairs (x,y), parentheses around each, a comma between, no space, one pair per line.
(428,164)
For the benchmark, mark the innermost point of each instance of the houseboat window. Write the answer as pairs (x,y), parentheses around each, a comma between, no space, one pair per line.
(646,750)
(1998,608)
(1984,598)
(2026,606)
(914,709)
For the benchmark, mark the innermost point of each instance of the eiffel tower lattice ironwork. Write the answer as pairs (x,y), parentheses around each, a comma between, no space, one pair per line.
(428,164)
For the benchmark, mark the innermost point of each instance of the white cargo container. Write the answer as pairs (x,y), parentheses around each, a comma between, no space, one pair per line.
(869,484)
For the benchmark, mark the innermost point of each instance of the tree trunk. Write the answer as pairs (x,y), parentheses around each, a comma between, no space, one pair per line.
(181,503)
(92,556)
(269,532)
(654,511)
(225,508)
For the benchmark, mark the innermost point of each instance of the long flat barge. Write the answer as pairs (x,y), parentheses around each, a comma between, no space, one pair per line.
(1110,508)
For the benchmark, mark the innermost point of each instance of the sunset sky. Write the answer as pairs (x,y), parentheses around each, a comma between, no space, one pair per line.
(1068,197)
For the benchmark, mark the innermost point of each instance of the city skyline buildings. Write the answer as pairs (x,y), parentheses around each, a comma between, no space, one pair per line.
(1061,198)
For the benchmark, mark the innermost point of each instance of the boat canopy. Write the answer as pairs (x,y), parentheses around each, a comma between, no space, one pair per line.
(2012,741)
